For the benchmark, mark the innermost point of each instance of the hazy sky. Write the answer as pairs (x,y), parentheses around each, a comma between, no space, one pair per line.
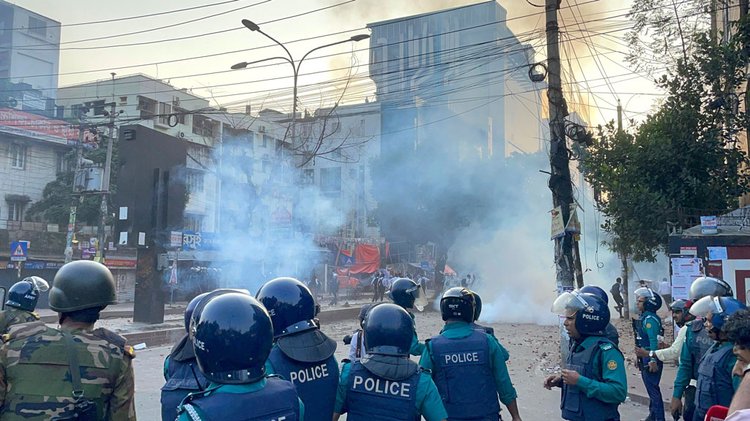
(592,28)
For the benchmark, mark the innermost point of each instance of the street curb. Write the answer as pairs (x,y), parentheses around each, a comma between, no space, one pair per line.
(112,314)
(643,400)
(169,336)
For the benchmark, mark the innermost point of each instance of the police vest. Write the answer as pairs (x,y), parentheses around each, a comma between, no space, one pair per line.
(180,382)
(642,338)
(698,344)
(714,380)
(575,405)
(316,382)
(373,398)
(464,376)
(276,401)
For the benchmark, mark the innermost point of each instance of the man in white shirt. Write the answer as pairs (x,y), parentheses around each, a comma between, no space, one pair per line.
(681,315)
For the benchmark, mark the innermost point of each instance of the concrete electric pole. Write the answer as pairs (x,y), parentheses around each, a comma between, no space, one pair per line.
(559,182)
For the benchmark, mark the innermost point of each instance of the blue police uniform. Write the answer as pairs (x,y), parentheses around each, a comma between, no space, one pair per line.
(602,385)
(416,347)
(697,342)
(263,400)
(404,395)
(716,384)
(180,373)
(316,382)
(649,329)
(460,348)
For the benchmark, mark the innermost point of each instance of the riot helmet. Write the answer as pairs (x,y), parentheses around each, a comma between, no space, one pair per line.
(191,307)
(595,290)
(388,330)
(290,304)
(24,294)
(80,285)
(591,313)
(708,285)
(457,303)
(653,301)
(407,294)
(232,339)
(477,305)
(363,313)
(720,308)
(200,303)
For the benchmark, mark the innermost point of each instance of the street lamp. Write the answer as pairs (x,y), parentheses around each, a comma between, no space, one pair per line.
(295,67)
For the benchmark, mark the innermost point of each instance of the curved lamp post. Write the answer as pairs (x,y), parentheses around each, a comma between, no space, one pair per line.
(290,59)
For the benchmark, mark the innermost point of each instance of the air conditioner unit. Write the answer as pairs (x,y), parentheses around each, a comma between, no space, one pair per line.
(176,101)
(261,129)
(181,135)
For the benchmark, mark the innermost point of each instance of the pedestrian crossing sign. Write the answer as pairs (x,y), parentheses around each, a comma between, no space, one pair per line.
(18,251)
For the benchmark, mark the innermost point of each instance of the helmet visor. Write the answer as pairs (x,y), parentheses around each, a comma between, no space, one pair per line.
(568,303)
(644,292)
(420,299)
(39,284)
(706,305)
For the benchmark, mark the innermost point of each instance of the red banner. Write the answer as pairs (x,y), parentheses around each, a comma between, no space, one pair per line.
(35,126)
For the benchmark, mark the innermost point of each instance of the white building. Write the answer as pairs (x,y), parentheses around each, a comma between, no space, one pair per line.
(29,53)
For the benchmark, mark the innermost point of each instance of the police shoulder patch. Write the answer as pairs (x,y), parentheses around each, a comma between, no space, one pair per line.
(648,325)
(612,364)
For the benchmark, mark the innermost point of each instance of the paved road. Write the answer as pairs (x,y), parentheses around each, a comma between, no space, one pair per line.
(528,366)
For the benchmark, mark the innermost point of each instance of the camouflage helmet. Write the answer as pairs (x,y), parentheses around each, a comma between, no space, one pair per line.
(80,285)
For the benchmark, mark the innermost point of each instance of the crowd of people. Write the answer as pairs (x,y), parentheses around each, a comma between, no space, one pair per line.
(264,357)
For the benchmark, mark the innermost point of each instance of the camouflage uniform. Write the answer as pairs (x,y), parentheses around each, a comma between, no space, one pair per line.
(12,316)
(35,380)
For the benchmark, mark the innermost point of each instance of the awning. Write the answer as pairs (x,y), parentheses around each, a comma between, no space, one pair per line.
(449,271)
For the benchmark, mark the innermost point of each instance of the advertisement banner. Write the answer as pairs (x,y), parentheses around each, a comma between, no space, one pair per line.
(37,127)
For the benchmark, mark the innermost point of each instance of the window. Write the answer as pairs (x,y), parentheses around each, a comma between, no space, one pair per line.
(265,141)
(203,126)
(194,182)
(62,161)
(194,223)
(15,211)
(164,111)
(37,27)
(18,156)
(330,180)
(123,100)
(147,107)
(308,177)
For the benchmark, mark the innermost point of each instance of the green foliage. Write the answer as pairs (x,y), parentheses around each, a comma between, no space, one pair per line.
(57,196)
(684,160)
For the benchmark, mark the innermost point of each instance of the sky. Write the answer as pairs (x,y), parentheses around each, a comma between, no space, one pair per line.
(195,48)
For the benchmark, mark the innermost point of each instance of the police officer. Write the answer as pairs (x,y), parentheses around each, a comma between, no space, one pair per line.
(594,382)
(22,299)
(477,312)
(610,332)
(681,315)
(301,352)
(181,373)
(232,336)
(408,294)
(716,385)
(461,352)
(649,329)
(356,340)
(697,342)
(385,384)
(48,384)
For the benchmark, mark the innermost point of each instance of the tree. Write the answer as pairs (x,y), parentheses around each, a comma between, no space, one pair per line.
(684,160)
(663,32)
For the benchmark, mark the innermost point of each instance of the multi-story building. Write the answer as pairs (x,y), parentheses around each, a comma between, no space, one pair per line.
(29,53)
(444,75)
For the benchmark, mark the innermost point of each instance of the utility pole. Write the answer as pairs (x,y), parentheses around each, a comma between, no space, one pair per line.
(559,182)
(103,208)
(623,256)
(77,197)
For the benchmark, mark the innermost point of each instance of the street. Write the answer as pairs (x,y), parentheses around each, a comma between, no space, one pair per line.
(533,355)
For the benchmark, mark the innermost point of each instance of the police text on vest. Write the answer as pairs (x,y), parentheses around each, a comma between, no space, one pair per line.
(385,387)
(463,357)
(309,374)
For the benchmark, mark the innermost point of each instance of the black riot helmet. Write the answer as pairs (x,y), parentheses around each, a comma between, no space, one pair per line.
(457,303)
(232,339)
(707,285)
(24,294)
(592,314)
(407,293)
(81,285)
(201,301)
(653,300)
(389,330)
(191,307)
(477,305)
(290,304)
(595,290)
